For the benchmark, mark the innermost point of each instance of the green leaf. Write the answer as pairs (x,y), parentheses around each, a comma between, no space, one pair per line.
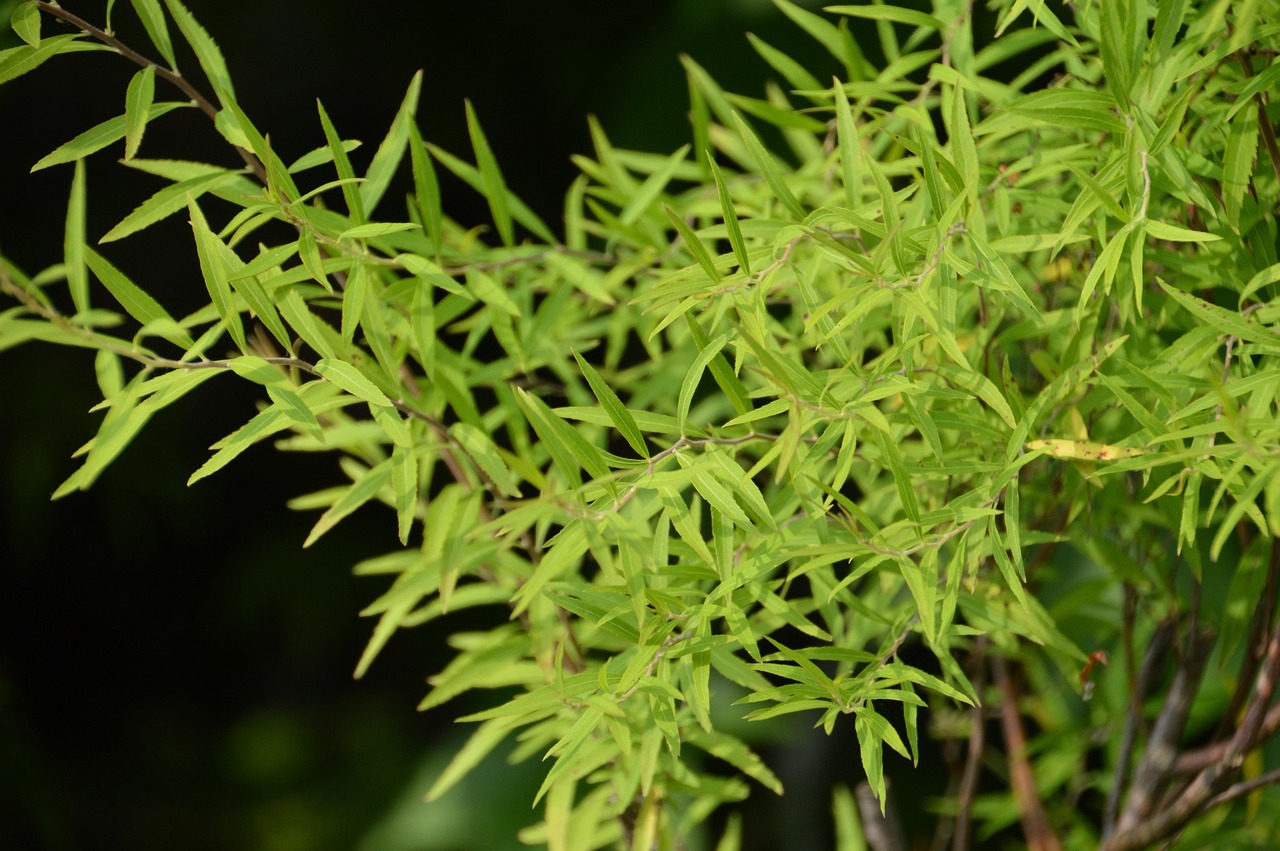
(97,137)
(165,203)
(132,298)
(25,21)
(152,17)
(137,108)
(791,70)
(1226,321)
(262,426)
(889,13)
(206,50)
(485,738)
(472,177)
(693,375)
(361,491)
(350,379)
(375,229)
(73,242)
(387,158)
(296,410)
(644,196)
(404,479)
(481,449)
(621,417)
(20,60)
(494,188)
(768,167)
(1083,108)
(426,188)
(693,243)
(213,269)
(342,163)
(730,217)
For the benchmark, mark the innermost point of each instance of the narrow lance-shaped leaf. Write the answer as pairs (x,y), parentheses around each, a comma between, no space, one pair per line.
(205,49)
(387,158)
(426,188)
(136,302)
(209,248)
(768,167)
(73,242)
(20,60)
(494,187)
(404,479)
(137,108)
(621,417)
(152,17)
(165,203)
(361,491)
(694,244)
(730,217)
(341,162)
(97,137)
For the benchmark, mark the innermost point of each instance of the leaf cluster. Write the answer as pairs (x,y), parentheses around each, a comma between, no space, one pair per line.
(864,364)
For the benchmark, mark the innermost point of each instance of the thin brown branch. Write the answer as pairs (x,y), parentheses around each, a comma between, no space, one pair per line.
(182,83)
(1035,823)
(1154,768)
(1214,779)
(1139,682)
(973,758)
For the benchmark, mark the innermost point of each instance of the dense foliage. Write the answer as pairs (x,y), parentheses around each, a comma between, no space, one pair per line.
(936,354)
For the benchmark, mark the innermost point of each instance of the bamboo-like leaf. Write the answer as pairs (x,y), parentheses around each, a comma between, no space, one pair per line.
(342,163)
(768,168)
(97,137)
(73,242)
(19,60)
(896,14)
(165,203)
(426,188)
(132,298)
(153,21)
(361,491)
(482,450)
(137,108)
(693,375)
(404,478)
(618,413)
(262,426)
(205,49)
(693,243)
(1226,321)
(494,188)
(350,379)
(730,217)
(387,158)
(486,737)
(213,269)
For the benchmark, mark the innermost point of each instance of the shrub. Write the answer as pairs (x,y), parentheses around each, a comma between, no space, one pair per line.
(984,365)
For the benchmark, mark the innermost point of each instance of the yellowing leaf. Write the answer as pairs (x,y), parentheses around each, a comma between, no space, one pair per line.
(1083,450)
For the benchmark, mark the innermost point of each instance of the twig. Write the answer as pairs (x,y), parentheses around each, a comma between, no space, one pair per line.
(1035,823)
(1213,780)
(973,759)
(1138,685)
(1162,747)
(206,106)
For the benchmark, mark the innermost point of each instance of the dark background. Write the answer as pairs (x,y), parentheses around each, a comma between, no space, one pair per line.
(174,668)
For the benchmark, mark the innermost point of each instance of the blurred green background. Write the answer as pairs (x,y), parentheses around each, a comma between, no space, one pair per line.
(175,671)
